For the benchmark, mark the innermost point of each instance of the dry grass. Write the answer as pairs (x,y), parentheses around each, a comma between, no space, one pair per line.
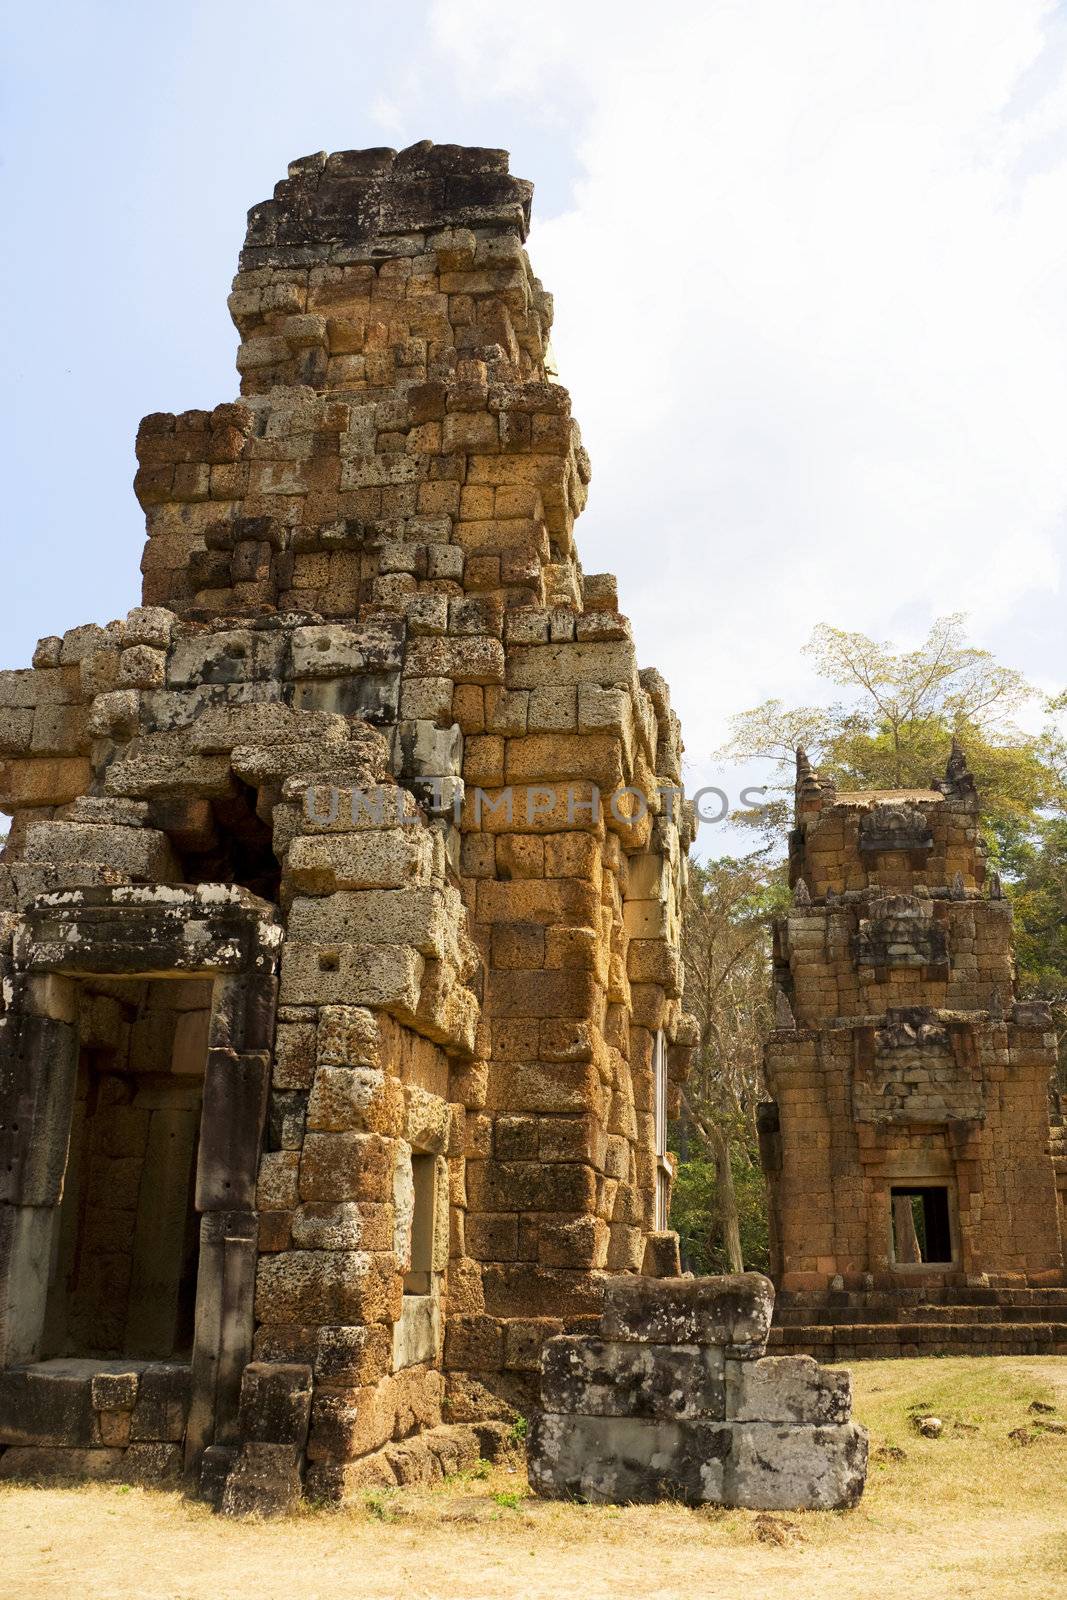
(975,1513)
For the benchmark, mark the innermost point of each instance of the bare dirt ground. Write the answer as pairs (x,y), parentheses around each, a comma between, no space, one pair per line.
(980,1512)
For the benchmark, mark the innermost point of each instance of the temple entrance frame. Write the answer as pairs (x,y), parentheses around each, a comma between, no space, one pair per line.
(209,931)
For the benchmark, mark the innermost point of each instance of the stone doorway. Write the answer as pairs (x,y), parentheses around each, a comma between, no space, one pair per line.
(134,1073)
(126,1247)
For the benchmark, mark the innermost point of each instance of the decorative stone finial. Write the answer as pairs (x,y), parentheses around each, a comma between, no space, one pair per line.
(996,888)
(958,780)
(996,1007)
(801,894)
(810,786)
(959,892)
(783,1011)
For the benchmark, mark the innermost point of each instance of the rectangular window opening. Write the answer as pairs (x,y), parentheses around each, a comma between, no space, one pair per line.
(424,1181)
(922,1230)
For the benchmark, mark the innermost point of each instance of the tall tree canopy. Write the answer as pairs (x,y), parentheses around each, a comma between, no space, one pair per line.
(894,727)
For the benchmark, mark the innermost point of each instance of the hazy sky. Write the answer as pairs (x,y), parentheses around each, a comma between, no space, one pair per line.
(810,268)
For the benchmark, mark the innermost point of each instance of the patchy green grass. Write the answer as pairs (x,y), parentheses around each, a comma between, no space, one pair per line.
(979,1513)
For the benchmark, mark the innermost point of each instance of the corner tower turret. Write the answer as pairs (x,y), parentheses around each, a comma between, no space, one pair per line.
(908,1138)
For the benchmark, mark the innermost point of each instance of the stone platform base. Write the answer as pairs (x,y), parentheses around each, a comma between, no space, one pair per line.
(857,1325)
(121,1421)
(158,1465)
(675,1400)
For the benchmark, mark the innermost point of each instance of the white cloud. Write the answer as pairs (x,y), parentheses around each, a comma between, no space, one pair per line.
(388,115)
(810,307)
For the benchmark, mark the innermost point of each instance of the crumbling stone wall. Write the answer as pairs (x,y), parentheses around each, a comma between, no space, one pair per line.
(901,1059)
(676,1398)
(371,687)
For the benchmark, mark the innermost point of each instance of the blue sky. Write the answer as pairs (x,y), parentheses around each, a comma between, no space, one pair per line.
(809,267)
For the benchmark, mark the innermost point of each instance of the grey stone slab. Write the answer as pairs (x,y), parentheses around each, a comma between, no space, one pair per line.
(781,1467)
(598,1377)
(40,1405)
(231,1129)
(38,1464)
(731,1311)
(162,1403)
(624,1460)
(787,1389)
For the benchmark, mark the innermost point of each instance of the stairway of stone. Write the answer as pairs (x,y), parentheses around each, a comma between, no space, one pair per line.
(850,1325)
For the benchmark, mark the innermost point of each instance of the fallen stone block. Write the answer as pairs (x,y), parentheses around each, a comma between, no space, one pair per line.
(596,1377)
(787,1389)
(734,1312)
(628,1460)
(781,1467)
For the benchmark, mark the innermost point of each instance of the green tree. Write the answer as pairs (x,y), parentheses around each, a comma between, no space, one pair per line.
(894,729)
(719,1205)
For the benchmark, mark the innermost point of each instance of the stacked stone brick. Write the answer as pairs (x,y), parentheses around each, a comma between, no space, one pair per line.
(902,1061)
(675,1398)
(371,692)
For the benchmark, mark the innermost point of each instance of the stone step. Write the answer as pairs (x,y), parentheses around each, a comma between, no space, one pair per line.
(860,1341)
(799,1316)
(831,1303)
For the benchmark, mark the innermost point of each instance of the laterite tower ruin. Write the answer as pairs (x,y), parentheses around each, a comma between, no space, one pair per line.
(911,1167)
(340,1022)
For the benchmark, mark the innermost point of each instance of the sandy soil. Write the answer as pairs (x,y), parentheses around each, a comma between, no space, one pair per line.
(972,1514)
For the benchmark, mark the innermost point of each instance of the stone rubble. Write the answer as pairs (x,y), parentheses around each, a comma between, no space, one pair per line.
(675,1398)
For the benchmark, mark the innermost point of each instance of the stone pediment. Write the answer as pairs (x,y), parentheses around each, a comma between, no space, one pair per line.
(915,1073)
(900,932)
(895,825)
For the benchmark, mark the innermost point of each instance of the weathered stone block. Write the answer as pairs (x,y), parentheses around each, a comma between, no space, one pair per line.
(360,1099)
(778,1467)
(275,1404)
(389,858)
(384,975)
(343,1225)
(348,1036)
(163,1398)
(324,1287)
(264,1481)
(789,1389)
(114,1391)
(48,1405)
(594,1377)
(625,1460)
(734,1312)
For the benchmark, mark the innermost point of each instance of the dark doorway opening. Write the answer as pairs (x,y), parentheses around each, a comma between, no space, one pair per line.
(922,1229)
(126,1253)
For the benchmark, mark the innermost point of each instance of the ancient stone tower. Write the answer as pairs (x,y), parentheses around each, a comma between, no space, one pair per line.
(339,915)
(907,1145)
